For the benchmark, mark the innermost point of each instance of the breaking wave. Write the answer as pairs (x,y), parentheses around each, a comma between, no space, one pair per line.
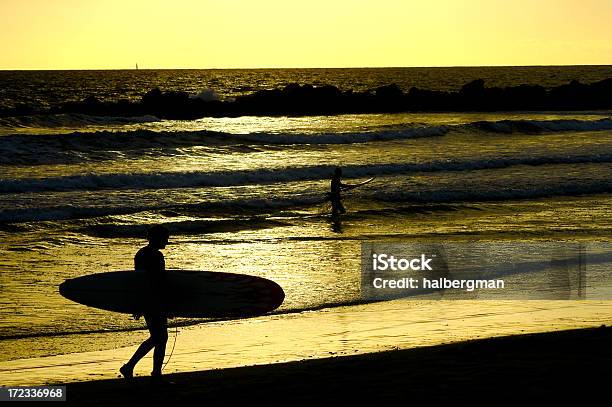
(20,149)
(163,180)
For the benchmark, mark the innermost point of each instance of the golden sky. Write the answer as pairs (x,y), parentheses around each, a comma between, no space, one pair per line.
(115,34)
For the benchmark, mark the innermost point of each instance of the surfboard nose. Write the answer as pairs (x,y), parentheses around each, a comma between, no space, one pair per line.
(64,288)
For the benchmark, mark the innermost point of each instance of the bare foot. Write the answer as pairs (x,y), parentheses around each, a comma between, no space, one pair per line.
(126,371)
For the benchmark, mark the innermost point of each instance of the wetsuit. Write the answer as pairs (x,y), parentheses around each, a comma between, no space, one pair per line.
(151,261)
(334,196)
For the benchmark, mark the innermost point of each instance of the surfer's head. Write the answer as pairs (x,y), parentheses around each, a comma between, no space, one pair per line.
(158,236)
(338,172)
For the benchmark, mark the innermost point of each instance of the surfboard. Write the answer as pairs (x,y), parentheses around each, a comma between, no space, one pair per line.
(327,195)
(367,181)
(185,293)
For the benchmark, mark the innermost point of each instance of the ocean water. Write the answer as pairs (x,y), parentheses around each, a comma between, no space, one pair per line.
(247,194)
(44,88)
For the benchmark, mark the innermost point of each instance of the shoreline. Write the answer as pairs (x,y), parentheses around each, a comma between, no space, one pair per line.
(517,367)
(345,331)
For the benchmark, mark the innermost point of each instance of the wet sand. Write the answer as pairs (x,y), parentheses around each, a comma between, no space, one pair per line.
(342,331)
(556,366)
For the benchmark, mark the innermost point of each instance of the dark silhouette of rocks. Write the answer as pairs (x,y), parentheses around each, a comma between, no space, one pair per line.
(299,99)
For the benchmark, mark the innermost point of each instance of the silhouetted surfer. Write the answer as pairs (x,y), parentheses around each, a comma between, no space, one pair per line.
(150,260)
(336,188)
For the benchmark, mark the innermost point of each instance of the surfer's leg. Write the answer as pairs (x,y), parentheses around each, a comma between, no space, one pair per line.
(159,335)
(144,348)
(337,207)
(334,204)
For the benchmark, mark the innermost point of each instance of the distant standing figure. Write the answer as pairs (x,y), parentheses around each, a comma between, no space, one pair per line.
(336,188)
(151,261)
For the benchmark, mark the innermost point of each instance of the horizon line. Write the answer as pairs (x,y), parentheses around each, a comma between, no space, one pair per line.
(321,67)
